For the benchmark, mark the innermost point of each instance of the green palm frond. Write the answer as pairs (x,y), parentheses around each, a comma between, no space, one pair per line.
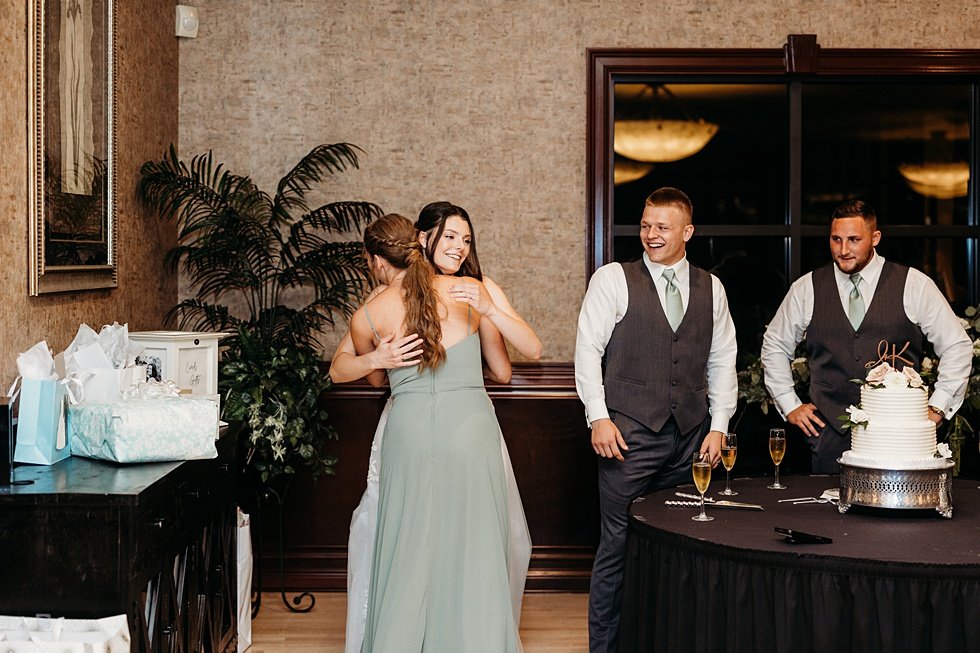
(234,241)
(200,196)
(196,315)
(322,160)
(339,217)
(328,264)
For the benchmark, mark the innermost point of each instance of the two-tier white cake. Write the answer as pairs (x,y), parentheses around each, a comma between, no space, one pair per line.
(895,432)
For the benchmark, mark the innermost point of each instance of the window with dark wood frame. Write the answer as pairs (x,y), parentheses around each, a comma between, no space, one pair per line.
(803,128)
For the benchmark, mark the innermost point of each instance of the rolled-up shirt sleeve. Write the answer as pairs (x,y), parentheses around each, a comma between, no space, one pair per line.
(720,369)
(926,306)
(604,306)
(785,331)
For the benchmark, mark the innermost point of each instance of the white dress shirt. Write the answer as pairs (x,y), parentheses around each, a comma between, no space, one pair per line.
(605,305)
(924,305)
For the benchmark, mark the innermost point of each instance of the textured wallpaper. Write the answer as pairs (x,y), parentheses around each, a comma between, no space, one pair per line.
(478,102)
(481,103)
(147,123)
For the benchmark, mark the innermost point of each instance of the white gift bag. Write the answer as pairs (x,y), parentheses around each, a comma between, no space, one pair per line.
(40,635)
(244,582)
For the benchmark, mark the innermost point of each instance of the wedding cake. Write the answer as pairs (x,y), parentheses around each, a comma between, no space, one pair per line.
(891,428)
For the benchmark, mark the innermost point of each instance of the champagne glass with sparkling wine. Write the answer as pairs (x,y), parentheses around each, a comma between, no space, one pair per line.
(777,449)
(701,469)
(729,448)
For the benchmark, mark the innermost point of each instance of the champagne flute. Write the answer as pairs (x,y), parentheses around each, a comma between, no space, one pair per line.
(729,449)
(701,469)
(777,449)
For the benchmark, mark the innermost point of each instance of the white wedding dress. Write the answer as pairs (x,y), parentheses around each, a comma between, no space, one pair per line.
(360,547)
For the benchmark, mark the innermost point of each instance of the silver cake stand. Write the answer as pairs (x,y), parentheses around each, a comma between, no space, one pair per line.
(897,488)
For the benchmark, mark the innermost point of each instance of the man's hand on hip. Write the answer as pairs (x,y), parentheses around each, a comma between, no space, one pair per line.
(805,417)
(607,440)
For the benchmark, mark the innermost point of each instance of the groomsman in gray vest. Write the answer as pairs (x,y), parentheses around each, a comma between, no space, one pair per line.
(655,368)
(844,310)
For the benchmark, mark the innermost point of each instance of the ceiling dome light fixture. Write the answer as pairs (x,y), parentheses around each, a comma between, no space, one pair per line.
(627,170)
(943,181)
(659,138)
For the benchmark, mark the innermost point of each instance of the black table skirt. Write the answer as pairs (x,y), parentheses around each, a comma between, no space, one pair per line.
(891,581)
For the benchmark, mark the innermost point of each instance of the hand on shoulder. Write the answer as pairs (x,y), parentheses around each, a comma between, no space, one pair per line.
(470,291)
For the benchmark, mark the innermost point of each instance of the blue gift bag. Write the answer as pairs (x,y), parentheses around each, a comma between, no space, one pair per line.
(41,435)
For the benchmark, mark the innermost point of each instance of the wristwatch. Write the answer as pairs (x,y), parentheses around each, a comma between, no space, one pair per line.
(933,409)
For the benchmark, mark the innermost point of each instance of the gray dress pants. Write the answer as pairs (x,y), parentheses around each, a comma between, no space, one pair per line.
(654,460)
(826,449)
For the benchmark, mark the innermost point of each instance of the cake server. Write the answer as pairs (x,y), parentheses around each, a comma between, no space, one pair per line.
(718,504)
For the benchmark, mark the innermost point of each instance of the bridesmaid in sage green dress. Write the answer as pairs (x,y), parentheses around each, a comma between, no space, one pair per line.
(439,581)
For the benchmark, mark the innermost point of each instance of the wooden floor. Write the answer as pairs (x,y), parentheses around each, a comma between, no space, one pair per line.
(550,623)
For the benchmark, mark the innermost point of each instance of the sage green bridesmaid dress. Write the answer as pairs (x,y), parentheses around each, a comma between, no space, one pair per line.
(440,581)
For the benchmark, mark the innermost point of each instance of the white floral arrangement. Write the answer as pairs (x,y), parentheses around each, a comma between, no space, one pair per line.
(943,451)
(886,376)
(882,375)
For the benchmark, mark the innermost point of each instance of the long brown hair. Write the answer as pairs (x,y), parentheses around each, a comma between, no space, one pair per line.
(432,221)
(392,237)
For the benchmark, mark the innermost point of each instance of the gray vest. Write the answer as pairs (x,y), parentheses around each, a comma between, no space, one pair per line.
(838,353)
(650,372)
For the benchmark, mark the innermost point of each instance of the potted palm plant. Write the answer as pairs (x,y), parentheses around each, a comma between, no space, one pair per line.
(272,272)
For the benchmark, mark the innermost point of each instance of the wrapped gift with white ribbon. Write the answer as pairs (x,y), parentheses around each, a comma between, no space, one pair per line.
(44,635)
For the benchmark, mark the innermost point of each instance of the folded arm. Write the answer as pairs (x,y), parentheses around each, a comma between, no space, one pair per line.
(502,316)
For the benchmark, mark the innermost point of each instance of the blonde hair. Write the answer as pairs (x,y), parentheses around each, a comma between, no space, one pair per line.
(393,238)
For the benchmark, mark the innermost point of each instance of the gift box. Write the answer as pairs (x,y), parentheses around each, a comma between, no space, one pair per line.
(40,635)
(144,430)
(188,358)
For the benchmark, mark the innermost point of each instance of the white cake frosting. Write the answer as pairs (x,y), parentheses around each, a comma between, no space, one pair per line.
(898,435)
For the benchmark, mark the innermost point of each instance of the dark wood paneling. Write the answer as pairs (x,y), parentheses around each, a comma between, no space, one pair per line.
(544,425)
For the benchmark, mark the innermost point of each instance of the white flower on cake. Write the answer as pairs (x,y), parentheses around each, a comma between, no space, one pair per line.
(858,416)
(895,379)
(943,450)
(912,377)
(885,376)
(877,374)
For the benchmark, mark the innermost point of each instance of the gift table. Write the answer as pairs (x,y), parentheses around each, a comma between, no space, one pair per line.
(892,580)
(153,541)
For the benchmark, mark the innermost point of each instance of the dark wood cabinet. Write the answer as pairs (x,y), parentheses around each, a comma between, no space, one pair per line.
(155,541)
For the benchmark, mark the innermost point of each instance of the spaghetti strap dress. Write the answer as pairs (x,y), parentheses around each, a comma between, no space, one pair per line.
(439,578)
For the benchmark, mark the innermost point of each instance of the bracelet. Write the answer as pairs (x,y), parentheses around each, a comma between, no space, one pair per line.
(933,409)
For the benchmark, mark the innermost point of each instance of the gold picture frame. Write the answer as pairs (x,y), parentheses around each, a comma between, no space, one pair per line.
(72,146)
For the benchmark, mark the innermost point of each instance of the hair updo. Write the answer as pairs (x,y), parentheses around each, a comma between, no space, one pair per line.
(393,238)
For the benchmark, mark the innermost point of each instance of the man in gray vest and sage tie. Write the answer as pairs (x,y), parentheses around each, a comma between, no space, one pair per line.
(655,368)
(844,310)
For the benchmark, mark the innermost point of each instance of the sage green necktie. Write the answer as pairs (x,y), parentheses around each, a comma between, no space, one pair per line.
(674,306)
(855,303)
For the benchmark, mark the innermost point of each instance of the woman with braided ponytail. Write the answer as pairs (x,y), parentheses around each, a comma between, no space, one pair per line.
(447,236)
(439,571)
